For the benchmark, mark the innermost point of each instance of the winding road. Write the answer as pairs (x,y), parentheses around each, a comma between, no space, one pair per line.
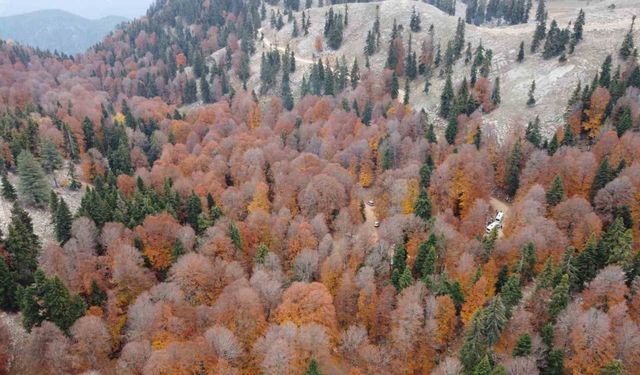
(269,44)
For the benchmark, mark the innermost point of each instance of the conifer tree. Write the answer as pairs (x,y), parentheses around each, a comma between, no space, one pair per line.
(555,194)
(313,368)
(415,21)
(49,299)
(234,234)
(511,292)
(287,96)
(495,94)
(474,346)
(89,134)
(451,131)
(512,177)
(559,297)
(8,287)
(624,122)
(532,100)
(193,210)
(405,280)
(602,178)
(395,86)
(32,185)
(618,244)
(355,73)
(520,57)
(407,91)
(483,367)
(523,346)
(538,35)
(97,296)
(8,191)
(63,222)
(626,50)
(190,92)
(532,133)
(22,245)
(423,205)
(446,99)
(424,264)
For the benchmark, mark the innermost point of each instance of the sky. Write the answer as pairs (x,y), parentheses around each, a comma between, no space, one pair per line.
(91,9)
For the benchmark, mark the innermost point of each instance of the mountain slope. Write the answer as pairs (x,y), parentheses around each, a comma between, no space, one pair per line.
(57,30)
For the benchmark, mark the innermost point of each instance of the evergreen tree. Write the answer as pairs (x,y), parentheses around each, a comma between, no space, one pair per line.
(415,21)
(605,72)
(287,96)
(545,278)
(578,26)
(49,299)
(532,100)
(446,99)
(395,86)
(512,177)
(520,57)
(120,159)
(407,90)
(32,184)
(552,147)
(423,205)
(8,287)
(193,210)
(602,178)
(50,157)
(477,137)
(89,134)
(8,191)
(495,320)
(474,346)
(451,131)
(177,251)
(355,73)
(431,134)
(22,245)
(63,222)
(559,297)
(97,296)
(405,280)
(234,234)
(523,346)
(424,264)
(538,35)
(624,122)
(532,133)
(511,292)
(313,368)
(495,94)
(618,244)
(205,90)
(190,92)
(399,263)
(483,367)
(367,113)
(626,50)
(555,194)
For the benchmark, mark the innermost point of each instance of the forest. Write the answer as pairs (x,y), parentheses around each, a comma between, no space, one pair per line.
(226,229)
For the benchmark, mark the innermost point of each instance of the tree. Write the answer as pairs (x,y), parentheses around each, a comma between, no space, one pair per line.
(523,346)
(49,299)
(97,296)
(520,57)
(495,94)
(604,175)
(532,100)
(624,122)
(415,21)
(532,133)
(451,131)
(8,191)
(190,92)
(559,297)
(555,194)
(193,210)
(446,99)
(395,86)
(22,245)
(627,47)
(32,184)
(512,175)
(63,222)
(483,367)
(423,205)
(424,264)
(287,96)
(234,234)
(495,319)
(8,287)
(50,157)
(313,368)
(407,90)
(89,134)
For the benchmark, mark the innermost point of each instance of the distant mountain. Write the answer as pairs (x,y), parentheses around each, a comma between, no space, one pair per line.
(57,30)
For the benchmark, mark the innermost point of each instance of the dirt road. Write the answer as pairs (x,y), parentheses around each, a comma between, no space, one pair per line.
(499,205)
(269,44)
(370,220)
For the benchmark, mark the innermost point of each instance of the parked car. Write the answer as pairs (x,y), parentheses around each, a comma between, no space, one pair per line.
(370,203)
(376,224)
(499,216)
(492,226)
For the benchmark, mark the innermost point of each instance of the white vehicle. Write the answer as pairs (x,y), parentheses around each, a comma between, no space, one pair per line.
(376,224)
(492,226)
(370,203)
(499,216)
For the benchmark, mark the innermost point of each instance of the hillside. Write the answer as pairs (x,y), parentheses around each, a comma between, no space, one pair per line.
(57,30)
(243,187)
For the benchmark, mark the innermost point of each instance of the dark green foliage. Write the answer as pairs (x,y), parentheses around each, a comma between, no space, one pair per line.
(367,113)
(407,91)
(511,292)
(313,368)
(520,57)
(415,21)
(8,191)
(555,194)
(48,299)
(286,95)
(63,222)
(538,35)
(8,287)
(523,346)
(532,90)
(32,184)
(495,94)
(424,264)
(355,74)
(50,157)
(177,251)
(624,121)
(494,320)
(22,245)
(474,346)
(626,50)
(604,175)
(261,254)
(446,98)
(552,147)
(88,130)
(605,72)
(483,367)
(395,86)
(97,296)
(451,131)
(423,205)
(430,135)
(514,163)
(532,133)
(193,210)
(399,265)
(234,234)
(190,92)
(559,297)
(333,29)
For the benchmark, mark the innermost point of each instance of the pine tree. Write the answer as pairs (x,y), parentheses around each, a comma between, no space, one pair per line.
(618,244)
(555,194)
(474,346)
(423,205)
(520,57)
(545,278)
(483,367)
(193,210)
(532,100)
(313,368)
(407,90)
(605,72)
(578,26)
(50,157)
(8,191)
(602,178)
(205,90)
(415,21)
(367,113)
(120,159)
(355,73)
(624,122)
(97,296)
(495,94)
(532,133)
(451,131)
(431,134)
(424,264)
(32,184)
(495,320)
(63,222)
(8,287)
(511,293)
(49,299)
(626,50)
(523,346)
(559,297)
(287,96)
(395,86)
(234,234)
(446,99)
(177,251)
(405,280)
(89,134)
(512,177)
